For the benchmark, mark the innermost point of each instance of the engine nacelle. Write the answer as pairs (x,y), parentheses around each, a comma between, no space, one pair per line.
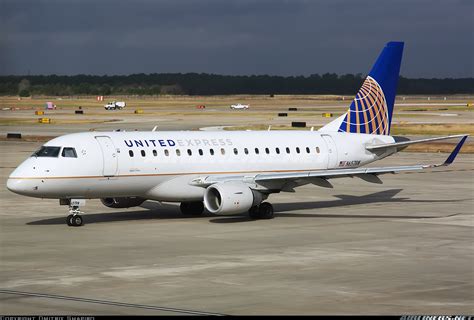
(230,197)
(122,202)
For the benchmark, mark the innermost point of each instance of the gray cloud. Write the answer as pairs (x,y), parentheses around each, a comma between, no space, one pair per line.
(233,37)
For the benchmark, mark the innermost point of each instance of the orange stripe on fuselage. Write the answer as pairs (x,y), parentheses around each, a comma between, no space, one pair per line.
(159,174)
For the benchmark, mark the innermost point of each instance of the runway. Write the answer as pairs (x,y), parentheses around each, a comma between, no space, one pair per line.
(404,247)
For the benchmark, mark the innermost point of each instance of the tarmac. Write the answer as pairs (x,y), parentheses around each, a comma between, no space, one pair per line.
(404,247)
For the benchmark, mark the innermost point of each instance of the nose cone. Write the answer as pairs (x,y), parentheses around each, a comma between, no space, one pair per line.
(14,185)
(18,184)
(24,187)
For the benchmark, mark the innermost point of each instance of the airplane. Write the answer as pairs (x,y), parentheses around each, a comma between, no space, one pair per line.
(225,172)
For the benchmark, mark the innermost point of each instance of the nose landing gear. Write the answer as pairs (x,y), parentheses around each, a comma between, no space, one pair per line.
(74,219)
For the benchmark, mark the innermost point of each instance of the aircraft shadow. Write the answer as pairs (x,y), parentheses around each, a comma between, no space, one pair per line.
(386,196)
(171,211)
(155,212)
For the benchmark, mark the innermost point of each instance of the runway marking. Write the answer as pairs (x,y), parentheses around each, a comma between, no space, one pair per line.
(106,302)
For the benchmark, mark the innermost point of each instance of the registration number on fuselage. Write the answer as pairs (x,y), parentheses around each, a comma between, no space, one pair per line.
(353,163)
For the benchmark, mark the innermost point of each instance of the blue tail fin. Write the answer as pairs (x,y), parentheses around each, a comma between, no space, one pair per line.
(371,110)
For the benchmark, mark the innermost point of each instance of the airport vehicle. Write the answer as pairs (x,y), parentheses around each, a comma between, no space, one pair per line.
(239,106)
(225,172)
(114,105)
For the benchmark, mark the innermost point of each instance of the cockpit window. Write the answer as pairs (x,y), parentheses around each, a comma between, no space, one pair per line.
(46,151)
(69,153)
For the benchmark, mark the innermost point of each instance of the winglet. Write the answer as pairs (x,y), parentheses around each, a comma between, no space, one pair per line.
(455,152)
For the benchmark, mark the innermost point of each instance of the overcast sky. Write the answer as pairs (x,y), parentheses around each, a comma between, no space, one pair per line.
(234,37)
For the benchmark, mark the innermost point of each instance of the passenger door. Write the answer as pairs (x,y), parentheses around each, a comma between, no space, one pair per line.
(332,150)
(109,156)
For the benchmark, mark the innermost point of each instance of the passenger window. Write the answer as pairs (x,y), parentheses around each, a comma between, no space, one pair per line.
(317,149)
(236,152)
(190,153)
(130,152)
(277,150)
(297,150)
(155,153)
(178,152)
(246,151)
(167,153)
(200,152)
(307,150)
(256,151)
(211,151)
(69,153)
(267,151)
(143,153)
(287,150)
(223,151)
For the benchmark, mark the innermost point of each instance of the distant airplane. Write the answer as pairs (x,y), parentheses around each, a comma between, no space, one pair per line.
(239,106)
(226,172)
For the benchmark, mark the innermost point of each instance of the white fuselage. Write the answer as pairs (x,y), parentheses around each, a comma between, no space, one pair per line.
(160,165)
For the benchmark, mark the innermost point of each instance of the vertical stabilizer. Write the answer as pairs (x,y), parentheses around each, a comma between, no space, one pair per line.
(371,110)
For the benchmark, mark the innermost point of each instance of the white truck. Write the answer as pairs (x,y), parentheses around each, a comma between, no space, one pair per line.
(114,105)
(239,106)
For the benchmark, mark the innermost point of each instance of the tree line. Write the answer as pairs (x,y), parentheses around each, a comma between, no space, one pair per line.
(212,84)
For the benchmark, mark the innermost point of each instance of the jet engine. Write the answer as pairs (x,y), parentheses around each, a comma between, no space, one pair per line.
(231,197)
(122,202)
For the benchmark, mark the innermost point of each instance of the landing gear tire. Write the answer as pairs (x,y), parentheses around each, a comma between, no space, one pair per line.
(69,220)
(265,210)
(253,212)
(192,208)
(75,220)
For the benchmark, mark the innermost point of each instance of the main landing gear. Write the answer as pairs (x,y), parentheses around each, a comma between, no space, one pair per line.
(192,208)
(263,211)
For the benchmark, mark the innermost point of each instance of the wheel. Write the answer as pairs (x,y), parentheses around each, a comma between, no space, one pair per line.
(69,220)
(265,211)
(192,208)
(76,221)
(253,212)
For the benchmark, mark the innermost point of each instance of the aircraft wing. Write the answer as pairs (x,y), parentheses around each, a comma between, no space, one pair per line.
(288,180)
(404,144)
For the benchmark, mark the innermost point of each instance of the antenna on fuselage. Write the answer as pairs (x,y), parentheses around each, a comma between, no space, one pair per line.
(312,128)
(154,128)
(269,128)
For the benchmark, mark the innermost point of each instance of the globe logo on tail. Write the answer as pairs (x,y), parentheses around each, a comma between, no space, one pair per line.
(368,112)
